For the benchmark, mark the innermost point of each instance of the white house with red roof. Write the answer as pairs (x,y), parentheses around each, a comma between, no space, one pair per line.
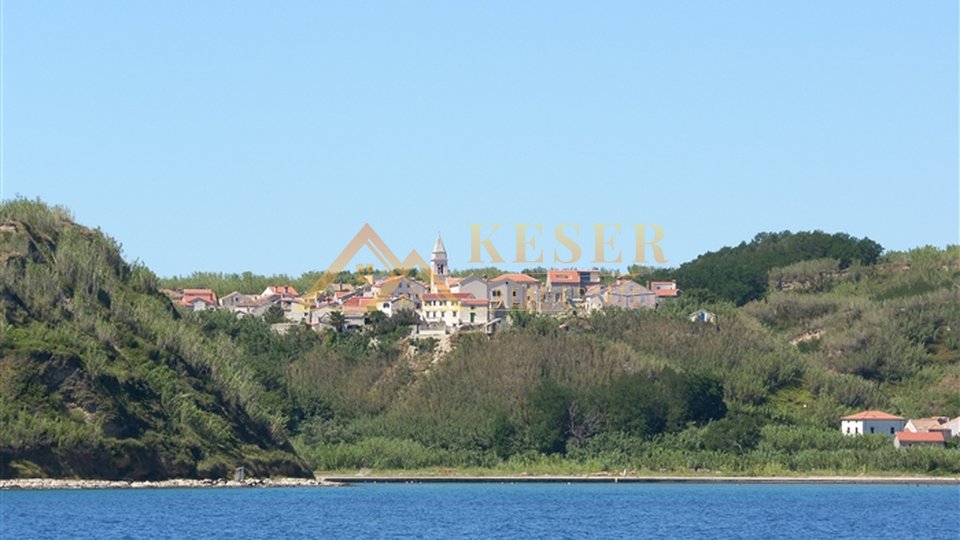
(875,422)
(199,299)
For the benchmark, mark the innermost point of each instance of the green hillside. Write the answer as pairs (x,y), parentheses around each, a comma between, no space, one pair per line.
(100,377)
(97,367)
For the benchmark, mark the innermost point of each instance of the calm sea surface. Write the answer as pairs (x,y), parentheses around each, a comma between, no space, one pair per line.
(490,511)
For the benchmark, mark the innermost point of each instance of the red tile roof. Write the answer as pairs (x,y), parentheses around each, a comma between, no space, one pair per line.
(358,301)
(474,301)
(563,277)
(922,437)
(664,288)
(519,278)
(191,295)
(872,415)
(284,290)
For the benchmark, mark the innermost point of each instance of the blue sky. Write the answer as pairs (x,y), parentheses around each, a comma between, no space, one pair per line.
(233,136)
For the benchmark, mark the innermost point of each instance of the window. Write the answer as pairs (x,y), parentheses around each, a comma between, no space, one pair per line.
(892,431)
(871,429)
(848,430)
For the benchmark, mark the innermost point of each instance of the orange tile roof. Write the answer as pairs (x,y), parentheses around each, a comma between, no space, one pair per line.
(924,436)
(284,290)
(474,301)
(563,276)
(358,301)
(872,415)
(520,278)
(191,295)
(197,292)
(667,292)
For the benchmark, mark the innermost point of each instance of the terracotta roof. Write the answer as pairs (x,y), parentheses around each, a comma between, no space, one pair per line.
(563,276)
(197,292)
(520,278)
(192,295)
(872,415)
(474,301)
(926,436)
(284,290)
(358,301)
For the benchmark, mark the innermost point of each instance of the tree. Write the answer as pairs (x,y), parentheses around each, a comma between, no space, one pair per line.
(337,321)
(550,416)
(273,315)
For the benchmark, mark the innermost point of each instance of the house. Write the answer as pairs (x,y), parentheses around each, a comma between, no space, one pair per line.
(264,303)
(934,424)
(908,439)
(442,308)
(199,299)
(953,426)
(563,285)
(930,424)
(390,306)
(664,290)
(282,290)
(397,286)
(198,303)
(471,284)
(474,312)
(876,422)
(702,315)
(588,278)
(623,293)
(515,291)
(235,299)
(355,311)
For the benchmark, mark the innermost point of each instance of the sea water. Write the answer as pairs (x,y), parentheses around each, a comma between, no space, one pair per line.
(684,511)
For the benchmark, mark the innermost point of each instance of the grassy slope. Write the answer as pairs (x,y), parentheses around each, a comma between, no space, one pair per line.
(99,378)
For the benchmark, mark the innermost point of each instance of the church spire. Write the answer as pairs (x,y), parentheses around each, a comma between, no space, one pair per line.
(438,264)
(438,248)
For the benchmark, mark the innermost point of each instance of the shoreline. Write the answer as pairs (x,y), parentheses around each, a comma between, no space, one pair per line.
(347,480)
(560,479)
(182,483)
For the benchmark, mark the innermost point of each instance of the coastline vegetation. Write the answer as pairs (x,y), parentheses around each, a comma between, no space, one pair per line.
(101,376)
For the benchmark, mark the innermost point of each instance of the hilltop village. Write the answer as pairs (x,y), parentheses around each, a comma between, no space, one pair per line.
(445,305)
